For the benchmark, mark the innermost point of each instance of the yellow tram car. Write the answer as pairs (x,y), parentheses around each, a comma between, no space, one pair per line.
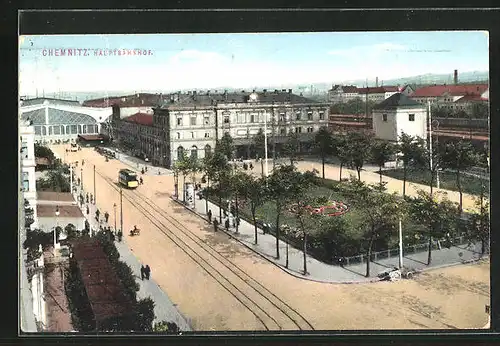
(128,178)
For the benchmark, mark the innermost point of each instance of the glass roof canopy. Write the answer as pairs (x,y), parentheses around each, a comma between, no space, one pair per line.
(57,116)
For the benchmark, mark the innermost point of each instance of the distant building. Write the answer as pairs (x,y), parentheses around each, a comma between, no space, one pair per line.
(377,94)
(343,94)
(453,97)
(28,164)
(399,114)
(191,123)
(62,120)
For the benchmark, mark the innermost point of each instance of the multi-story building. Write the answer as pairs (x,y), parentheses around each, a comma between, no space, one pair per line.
(27,158)
(456,97)
(346,93)
(192,123)
(342,93)
(63,120)
(377,94)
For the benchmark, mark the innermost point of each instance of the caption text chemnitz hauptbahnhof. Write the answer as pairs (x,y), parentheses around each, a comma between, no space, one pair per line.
(95,52)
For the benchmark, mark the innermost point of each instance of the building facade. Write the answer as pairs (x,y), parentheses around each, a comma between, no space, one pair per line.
(191,123)
(399,114)
(62,120)
(28,164)
(346,93)
(453,97)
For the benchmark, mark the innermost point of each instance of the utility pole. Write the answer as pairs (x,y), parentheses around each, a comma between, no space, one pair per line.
(400,243)
(95,197)
(121,210)
(265,143)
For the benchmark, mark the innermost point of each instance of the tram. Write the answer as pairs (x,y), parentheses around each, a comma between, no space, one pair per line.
(128,178)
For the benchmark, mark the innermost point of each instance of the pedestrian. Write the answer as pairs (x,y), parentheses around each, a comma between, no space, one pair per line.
(216,225)
(143,272)
(87,195)
(142,171)
(97,214)
(341,262)
(87,225)
(88,210)
(106,217)
(148,271)
(78,181)
(226,224)
(146,168)
(83,162)
(141,181)
(251,166)
(209,215)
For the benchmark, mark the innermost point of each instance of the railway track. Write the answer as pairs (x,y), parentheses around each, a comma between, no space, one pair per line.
(270,310)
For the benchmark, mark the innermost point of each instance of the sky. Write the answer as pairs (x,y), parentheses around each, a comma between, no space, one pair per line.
(203,61)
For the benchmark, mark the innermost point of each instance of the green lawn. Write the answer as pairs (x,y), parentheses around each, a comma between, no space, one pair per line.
(470,184)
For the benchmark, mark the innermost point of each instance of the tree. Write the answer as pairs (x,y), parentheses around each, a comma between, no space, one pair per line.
(381,153)
(478,224)
(217,169)
(291,148)
(226,146)
(254,190)
(35,238)
(359,149)
(437,217)
(259,143)
(176,170)
(424,162)
(43,151)
(380,209)
(145,315)
(283,185)
(479,110)
(194,167)
(166,327)
(459,156)
(323,144)
(183,166)
(55,181)
(410,149)
(342,150)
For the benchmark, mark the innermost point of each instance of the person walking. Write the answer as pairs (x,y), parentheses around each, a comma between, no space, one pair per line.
(87,197)
(226,224)
(97,213)
(251,166)
(209,215)
(143,272)
(216,225)
(106,217)
(142,171)
(88,210)
(141,181)
(148,271)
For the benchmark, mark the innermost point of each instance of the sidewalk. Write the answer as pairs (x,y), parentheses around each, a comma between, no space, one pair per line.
(322,272)
(164,309)
(137,164)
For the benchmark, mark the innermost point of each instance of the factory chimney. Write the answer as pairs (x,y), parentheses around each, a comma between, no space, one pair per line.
(455,77)
(376,81)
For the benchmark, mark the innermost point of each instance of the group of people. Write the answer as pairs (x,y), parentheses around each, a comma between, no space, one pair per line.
(236,221)
(145,272)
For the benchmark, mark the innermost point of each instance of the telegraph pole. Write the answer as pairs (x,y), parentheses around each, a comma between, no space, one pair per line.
(95,197)
(121,209)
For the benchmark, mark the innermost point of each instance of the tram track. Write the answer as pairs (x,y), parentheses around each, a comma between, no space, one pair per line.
(270,310)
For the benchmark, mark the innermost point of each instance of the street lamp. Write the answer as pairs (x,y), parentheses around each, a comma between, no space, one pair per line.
(55,229)
(437,148)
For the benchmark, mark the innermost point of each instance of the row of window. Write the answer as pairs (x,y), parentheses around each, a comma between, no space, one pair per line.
(194,151)
(65,129)
(411,117)
(26,181)
(283,131)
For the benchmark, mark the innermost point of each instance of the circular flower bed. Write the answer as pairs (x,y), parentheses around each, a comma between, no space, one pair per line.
(333,208)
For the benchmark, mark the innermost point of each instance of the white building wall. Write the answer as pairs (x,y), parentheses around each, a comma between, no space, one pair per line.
(128,111)
(412,128)
(386,130)
(27,158)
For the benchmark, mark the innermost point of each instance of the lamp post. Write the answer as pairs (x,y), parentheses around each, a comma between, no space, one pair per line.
(265,143)
(114,208)
(121,209)
(437,148)
(81,178)
(55,230)
(95,196)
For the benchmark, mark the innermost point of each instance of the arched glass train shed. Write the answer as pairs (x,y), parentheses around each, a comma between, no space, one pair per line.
(55,124)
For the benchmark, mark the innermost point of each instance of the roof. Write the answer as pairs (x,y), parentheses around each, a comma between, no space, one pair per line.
(92,137)
(439,90)
(41,100)
(104,289)
(135,100)
(57,116)
(54,196)
(472,98)
(140,118)
(398,100)
(48,210)
(209,99)
(345,88)
(378,90)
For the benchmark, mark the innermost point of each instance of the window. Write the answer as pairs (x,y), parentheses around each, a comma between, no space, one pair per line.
(178,135)
(179,121)
(207,135)
(298,130)
(226,119)
(321,115)
(73,129)
(252,118)
(283,131)
(309,115)
(194,152)
(206,120)
(384,117)
(193,121)
(297,115)
(24,150)
(192,134)
(282,116)
(310,129)
(50,130)
(26,181)
(56,129)
(79,129)
(208,150)
(411,117)
(62,129)
(180,153)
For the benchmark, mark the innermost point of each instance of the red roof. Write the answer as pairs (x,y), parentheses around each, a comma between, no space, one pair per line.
(472,98)
(378,90)
(439,90)
(141,118)
(136,100)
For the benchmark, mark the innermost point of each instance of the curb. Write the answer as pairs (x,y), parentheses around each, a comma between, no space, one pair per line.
(288,271)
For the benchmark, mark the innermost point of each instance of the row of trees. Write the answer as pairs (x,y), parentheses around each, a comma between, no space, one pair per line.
(477,110)
(286,185)
(355,106)
(56,178)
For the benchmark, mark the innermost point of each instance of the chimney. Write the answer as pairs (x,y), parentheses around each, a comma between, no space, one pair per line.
(116,112)
(289,91)
(376,81)
(264,91)
(455,77)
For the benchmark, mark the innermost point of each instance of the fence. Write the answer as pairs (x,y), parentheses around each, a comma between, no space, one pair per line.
(407,250)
